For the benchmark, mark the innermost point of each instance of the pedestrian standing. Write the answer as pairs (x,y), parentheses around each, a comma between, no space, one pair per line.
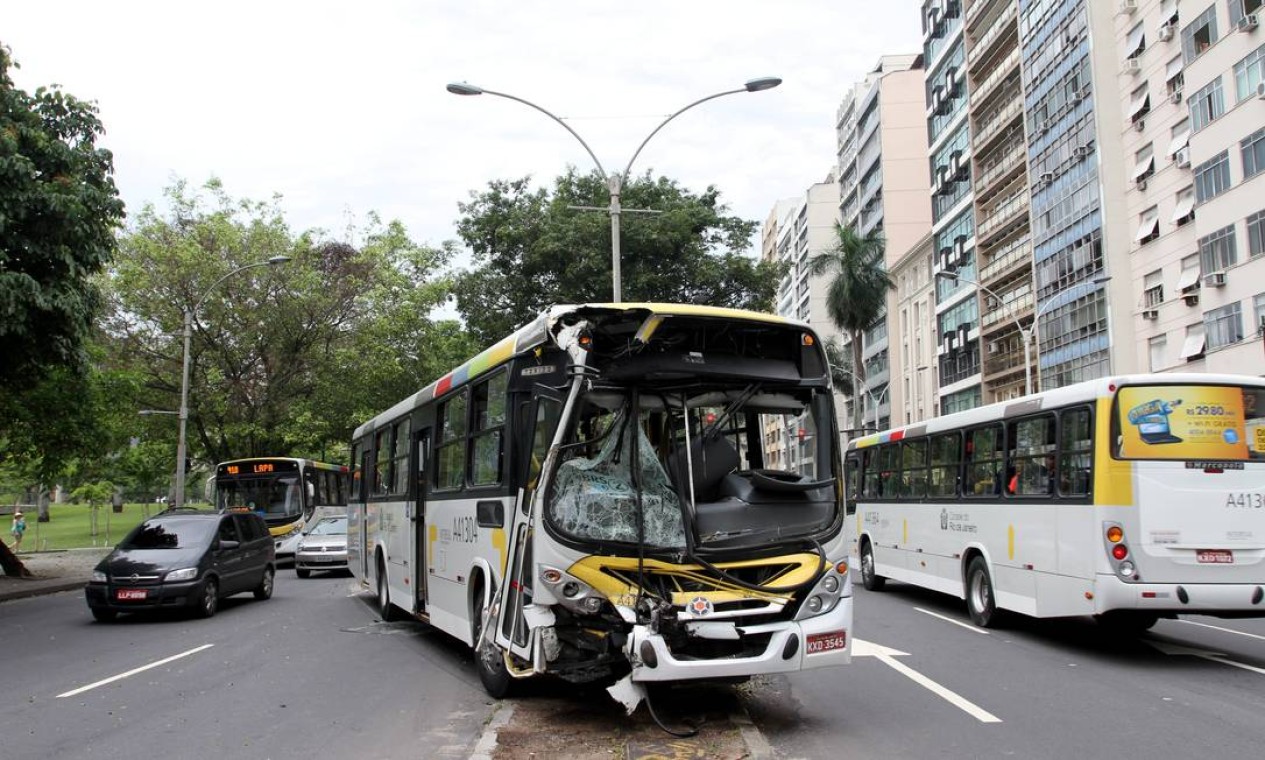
(18,530)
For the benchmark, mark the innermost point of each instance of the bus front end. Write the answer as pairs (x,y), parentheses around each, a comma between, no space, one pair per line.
(689,518)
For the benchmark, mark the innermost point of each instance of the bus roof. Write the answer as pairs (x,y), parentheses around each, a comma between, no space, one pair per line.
(540,330)
(1069,394)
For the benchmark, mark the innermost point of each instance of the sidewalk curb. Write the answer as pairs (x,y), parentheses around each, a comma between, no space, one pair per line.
(24,588)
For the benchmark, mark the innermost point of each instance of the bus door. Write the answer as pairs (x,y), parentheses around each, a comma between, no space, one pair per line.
(421,481)
(361,495)
(541,424)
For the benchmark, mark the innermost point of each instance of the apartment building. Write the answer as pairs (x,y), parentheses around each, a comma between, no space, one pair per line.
(1199,191)
(883,188)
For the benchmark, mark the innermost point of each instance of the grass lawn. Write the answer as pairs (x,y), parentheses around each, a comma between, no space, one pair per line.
(70,526)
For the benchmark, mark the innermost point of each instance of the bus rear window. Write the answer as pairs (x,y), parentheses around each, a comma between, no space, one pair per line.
(1208,422)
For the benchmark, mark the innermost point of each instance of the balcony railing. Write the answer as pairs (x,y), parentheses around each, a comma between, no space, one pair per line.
(999,26)
(992,124)
(1007,257)
(1007,310)
(1000,213)
(959,365)
(1004,67)
(1011,156)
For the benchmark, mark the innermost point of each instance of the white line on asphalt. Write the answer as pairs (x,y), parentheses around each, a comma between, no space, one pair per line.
(134,671)
(967,626)
(1219,628)
(1224,661)
(887,656)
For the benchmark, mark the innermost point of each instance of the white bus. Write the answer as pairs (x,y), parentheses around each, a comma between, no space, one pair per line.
(290,493)
(500,503)
(1128,498)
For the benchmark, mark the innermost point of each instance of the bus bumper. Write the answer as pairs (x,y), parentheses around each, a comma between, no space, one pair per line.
(1238,599)
(785,649)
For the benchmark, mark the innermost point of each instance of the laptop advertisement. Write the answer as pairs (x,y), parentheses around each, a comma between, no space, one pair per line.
(1182,422)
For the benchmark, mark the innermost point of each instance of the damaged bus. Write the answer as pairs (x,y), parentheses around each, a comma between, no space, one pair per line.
(626,493)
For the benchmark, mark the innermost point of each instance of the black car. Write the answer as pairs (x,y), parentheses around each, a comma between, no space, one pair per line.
(184,559)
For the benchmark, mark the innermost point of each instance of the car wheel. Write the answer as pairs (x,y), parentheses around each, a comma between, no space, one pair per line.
(302,573)
(386,610)
(980,600)
(871,580)
(264,589)
(103,616)
(489,658)
(210,601)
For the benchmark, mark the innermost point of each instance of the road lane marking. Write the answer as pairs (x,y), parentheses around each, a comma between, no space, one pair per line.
(134,671)
(1219,628)
(1206,654)
(945,618)
(888,656)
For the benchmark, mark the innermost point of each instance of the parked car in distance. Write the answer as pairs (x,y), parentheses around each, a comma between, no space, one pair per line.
(184,559)
(323,548)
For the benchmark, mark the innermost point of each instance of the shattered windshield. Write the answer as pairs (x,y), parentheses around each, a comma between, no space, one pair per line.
(750,465)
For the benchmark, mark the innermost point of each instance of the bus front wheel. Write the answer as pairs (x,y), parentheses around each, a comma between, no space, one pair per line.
(980,601)
(870,579)
(489,659)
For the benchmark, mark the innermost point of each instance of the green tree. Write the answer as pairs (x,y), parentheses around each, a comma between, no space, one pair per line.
(857,293)
(59,210)
(531,250)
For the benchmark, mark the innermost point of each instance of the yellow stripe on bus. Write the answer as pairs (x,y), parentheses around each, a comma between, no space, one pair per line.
(1113,478)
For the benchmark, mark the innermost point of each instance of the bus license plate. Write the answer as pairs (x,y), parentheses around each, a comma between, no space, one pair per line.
(825,642)
(1215,556)
(130,594)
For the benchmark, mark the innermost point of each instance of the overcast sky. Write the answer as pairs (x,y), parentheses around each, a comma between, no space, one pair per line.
(340,107)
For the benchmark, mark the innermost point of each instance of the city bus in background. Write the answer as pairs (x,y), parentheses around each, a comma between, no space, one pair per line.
(1128,498)
(290,493)
(611,494)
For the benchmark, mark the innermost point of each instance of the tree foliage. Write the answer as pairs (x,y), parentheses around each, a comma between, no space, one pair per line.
(59,210)
(284,359)
(531,250)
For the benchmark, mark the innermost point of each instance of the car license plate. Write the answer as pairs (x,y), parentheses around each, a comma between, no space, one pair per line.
(130,594)
(825,642)
(1215,556)
(321,558)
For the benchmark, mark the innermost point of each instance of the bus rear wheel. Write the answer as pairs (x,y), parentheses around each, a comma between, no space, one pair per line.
(386,610)
(489,658)
(980,600)
(870,579)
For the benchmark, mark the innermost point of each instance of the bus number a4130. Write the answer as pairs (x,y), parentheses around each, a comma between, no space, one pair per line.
(465,530)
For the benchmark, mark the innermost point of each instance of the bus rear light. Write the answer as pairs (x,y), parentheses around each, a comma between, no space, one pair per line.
(1115,534)
(1126,569)
(1120,551)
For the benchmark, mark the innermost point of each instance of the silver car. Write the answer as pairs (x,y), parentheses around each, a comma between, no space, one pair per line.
(324,547)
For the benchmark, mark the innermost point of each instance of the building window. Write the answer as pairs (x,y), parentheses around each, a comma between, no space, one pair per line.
(1139,104)
(1218,251)
(1153,289)
(1180,135)
(1193,346)
(1207,104)
(1148,226)
(1200,34)
(1258,310)
(1212,177)
(1156,348)
(1249,73)
(1241,8)
(1174,79)
(1224,326)
(1144,164)
(1188,282)
(1253,147)
(1136,41)
(1256,234)
(1184,209)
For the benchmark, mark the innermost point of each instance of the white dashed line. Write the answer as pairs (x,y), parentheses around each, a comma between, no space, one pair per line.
(134,671)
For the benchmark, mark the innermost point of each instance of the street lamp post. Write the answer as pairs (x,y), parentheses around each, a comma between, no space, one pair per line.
(873,400)
(1025,334)
(615,182)
(178,496)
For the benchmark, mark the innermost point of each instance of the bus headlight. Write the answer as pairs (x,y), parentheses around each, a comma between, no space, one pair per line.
(830,583)
(832,586)
(572,593)
(815,604)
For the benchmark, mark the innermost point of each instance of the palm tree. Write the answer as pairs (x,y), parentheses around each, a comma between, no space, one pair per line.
(858,289)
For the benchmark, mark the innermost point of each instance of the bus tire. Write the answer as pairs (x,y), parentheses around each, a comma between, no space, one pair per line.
(386,610)
(870,579)
(489,658)
(981,602)
(1127,622)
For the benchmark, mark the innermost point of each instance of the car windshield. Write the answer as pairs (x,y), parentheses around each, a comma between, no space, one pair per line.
(170,534)
(334,526)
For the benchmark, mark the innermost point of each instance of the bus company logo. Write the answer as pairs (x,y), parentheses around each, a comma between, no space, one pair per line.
(944,519)
(701,606)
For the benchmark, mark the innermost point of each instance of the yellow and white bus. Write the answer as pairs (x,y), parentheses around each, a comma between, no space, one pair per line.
(288,492)
(604,495)
(1127,498)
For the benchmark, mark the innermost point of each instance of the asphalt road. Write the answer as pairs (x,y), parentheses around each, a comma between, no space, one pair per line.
(313,672)
(308,673)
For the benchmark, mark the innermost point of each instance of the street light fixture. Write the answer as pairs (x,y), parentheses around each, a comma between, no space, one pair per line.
(178,497)
(615,182)
(1025,334)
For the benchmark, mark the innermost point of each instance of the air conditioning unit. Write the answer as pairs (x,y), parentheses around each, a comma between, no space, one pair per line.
(1175,97)
(1045,178)
(959,247)
(1249,22)
(1166,32)
(1141,183)
(1151,314)
(964,332)
(1128,6)
(1191,298)
(1139,125)
(1132,66)
(1082,151)
(993,347)
(1214,280)
(1182,157)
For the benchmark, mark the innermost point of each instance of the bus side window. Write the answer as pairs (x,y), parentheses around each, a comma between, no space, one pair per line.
(1075,462)
(983,462)
(852,482)
(914,467)
(871,475)
(946,457)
